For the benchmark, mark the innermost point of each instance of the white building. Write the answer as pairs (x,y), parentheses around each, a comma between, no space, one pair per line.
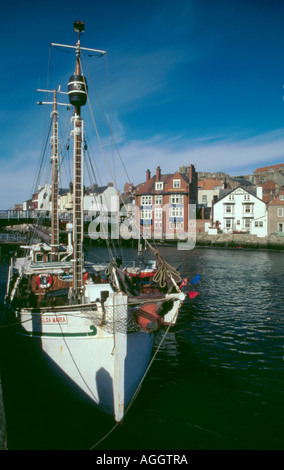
(102,198)
(208,188)
(241,210)
(41,199)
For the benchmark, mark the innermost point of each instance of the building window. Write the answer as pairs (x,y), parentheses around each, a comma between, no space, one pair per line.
(176,212)
(248,208)
(158,213)
(159,186)
(280,212)
(146,200)
(231,197)
(176,183)
(246,223)
(146,214)
(176,199)
(228,223)
(174,225)
(204,199)
(280,227)
(228,208)
(158,200)
(246,197)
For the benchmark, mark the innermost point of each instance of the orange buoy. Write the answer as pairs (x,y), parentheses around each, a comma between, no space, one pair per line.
(148,318)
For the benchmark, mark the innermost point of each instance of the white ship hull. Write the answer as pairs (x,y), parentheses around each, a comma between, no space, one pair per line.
(105,362)
(97,345)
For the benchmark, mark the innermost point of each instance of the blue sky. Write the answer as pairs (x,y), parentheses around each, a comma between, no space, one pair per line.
(189,81)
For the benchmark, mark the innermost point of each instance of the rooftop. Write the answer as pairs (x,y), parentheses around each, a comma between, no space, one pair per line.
(277,167)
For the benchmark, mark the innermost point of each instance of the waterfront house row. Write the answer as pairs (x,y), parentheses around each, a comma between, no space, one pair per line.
(222,203)
(234,205)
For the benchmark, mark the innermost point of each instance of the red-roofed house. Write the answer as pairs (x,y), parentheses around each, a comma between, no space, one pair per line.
(270,190)
(163,201)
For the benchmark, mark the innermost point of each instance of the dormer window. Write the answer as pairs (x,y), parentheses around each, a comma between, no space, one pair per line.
(159,186)
(176,183)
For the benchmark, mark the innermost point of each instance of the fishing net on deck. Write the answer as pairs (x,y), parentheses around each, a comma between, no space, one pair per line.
(112,319)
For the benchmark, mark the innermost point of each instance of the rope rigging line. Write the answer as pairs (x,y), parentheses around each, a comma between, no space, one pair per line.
(41,161)
(101,146)
(99,139)
(106,121)
(44,145)
(102,150)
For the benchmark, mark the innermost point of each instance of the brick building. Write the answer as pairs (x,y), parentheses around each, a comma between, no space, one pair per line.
(163,202)
(270,190)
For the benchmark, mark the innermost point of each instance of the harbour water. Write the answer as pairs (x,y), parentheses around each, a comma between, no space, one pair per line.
(217,382)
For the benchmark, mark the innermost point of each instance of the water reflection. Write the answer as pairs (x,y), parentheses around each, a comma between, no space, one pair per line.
(217,381)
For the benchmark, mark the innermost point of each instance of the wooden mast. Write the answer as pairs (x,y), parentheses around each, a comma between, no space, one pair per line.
(54,195)
(77,205)
(77,91)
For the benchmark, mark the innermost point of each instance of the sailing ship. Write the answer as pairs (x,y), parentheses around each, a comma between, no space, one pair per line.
(98,332)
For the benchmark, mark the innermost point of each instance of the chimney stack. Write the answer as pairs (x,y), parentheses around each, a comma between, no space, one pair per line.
(158,174)
(148,175)
(190,173)
(259,192)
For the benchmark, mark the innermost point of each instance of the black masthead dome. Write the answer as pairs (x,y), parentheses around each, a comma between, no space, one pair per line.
(77,90)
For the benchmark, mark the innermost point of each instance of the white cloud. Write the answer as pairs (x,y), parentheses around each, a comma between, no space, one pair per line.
(220,153)
(231,154)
